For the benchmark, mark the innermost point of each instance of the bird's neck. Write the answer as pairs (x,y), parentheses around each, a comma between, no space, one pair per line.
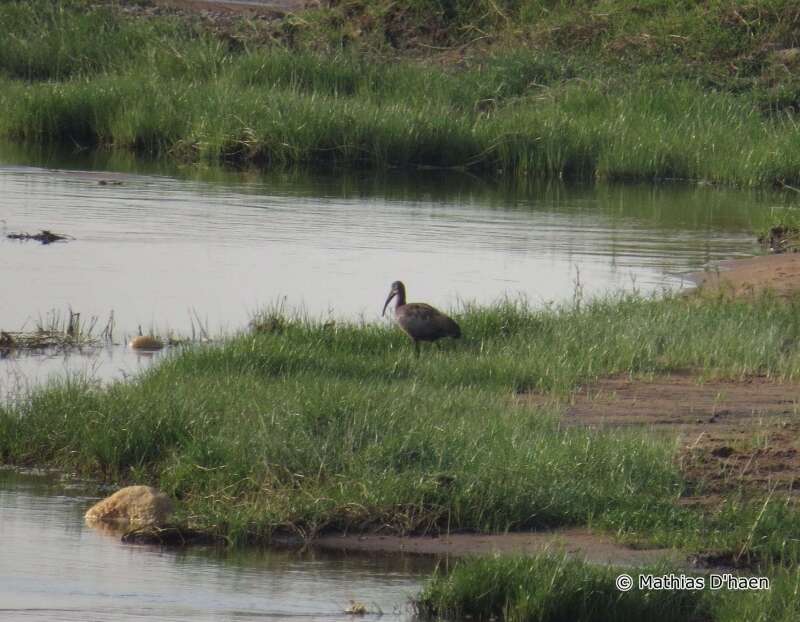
(401,298)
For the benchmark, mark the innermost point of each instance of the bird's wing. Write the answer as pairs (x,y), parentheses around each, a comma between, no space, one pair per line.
(425,322)
(423,311)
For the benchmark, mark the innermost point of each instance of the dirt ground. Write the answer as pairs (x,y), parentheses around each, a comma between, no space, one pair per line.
(592,547)
(236,6)
(220,16)
(752,436)
(779,273)
(732,434)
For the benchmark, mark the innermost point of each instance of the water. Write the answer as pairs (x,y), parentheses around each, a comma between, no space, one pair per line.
(53,567)
(177,250)
(156,248)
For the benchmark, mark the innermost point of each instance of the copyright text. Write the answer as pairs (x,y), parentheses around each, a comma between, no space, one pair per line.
(726,581)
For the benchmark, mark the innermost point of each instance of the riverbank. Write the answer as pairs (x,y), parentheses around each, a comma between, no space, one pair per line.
(348,87)
(777,274)
(581,544)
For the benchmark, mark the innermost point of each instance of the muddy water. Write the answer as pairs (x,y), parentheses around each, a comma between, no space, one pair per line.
(53,567)
(172,250)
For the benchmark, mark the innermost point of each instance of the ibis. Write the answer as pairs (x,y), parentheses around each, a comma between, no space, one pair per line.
(420,321)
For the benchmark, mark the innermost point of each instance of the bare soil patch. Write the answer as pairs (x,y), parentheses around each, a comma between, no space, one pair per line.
(779,273)
(236,6)
(734,435)
(581,543)
(224,18)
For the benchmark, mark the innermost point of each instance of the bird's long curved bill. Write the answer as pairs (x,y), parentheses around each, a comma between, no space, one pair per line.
(386,304)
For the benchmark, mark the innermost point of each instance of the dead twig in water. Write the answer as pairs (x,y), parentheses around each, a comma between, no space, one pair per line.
(108,331)
(57,332)
(45,236)
(203,329)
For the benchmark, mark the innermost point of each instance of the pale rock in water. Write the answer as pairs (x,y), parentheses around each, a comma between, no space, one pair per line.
(133,505)
(145,342)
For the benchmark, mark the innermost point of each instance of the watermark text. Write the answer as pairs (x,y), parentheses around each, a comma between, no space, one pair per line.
(724,581)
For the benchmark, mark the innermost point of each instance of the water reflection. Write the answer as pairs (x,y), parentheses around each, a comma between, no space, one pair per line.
(54,567)
(23,371)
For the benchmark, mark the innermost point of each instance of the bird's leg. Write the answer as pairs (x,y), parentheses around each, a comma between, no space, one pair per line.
(416,347)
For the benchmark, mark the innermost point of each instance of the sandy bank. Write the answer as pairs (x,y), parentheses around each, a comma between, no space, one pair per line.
(745,277)
(580,543)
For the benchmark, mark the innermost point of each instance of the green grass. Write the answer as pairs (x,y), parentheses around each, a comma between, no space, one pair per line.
(533,106)
(310,428)
(572,132)
(553,589)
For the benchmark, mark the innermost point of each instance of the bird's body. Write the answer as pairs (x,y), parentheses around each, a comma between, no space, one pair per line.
(420,321)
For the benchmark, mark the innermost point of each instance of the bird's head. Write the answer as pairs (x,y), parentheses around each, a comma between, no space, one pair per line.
(398,289)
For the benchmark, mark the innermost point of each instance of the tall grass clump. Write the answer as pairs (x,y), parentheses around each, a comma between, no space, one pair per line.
(56,40)
(75,113)
(572,133)
(781,603)
(551,589)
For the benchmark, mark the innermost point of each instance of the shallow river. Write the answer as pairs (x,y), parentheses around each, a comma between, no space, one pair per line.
(54,568)
(172,250)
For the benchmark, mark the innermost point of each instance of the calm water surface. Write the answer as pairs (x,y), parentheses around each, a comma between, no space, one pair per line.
(166,251)
(53,567)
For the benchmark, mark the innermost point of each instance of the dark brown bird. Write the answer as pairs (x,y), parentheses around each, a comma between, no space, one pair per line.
(418,320)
